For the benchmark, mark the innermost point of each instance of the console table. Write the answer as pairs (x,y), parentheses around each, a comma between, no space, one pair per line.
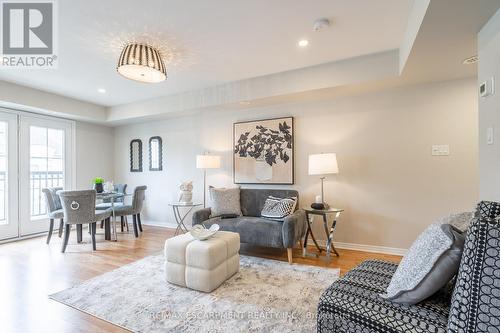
(325,213)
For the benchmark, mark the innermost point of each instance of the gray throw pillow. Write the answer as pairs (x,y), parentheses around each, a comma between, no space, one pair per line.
(225,201)
(461,221)
(432,261)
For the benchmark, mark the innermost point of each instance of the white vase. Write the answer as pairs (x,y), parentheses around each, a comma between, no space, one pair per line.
(263,171)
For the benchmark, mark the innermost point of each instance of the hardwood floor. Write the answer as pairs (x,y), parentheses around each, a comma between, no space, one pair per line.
(30,270)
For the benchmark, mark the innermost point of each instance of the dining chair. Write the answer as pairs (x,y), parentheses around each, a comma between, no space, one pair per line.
(79,209)
(54,209)
(106,203)
(134,209)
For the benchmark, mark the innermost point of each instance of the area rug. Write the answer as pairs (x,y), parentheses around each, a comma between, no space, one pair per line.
(264,296)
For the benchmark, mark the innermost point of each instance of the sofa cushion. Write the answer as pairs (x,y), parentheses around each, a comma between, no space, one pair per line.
(475,305)
(226,224)
(253,230)
(431,262)
(353,304)
(225,201)
(252,200)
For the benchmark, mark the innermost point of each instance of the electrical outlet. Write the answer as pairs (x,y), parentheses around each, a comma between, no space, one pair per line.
(440,150)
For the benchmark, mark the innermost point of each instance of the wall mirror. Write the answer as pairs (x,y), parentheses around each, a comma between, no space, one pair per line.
(155,154)
(136,155)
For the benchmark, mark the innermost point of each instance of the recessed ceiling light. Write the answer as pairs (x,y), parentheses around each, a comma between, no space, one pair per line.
(470,60)
(244,102)
(101,90)
(303,42)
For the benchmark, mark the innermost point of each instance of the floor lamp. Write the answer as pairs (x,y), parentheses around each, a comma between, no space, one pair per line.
(206,162)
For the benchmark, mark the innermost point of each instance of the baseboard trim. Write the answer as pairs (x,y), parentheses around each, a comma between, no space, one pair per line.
(367,248)
(168,225)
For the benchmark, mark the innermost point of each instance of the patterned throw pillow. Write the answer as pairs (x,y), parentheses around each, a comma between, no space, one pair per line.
(225,201)
(475,305)
(432,261)
(278,208)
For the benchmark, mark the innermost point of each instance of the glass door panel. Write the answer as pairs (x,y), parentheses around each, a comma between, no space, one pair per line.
(45,149)
(9,223)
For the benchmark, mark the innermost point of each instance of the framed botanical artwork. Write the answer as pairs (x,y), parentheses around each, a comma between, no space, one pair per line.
(263,151)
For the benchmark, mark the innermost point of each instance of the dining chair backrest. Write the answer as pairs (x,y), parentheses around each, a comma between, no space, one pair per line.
(52,200)
(78,206)
(55,197)
(139,196)
(118,188)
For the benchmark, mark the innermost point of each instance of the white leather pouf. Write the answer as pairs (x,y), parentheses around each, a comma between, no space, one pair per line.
(202,265)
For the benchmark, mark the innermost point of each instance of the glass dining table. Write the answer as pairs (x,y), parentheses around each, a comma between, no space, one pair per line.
(112,197)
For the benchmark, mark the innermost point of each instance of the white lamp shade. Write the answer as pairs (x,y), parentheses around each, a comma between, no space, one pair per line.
(207,161)
(323,164)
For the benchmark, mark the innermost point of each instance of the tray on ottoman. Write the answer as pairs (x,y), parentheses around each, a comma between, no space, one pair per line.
(202,265)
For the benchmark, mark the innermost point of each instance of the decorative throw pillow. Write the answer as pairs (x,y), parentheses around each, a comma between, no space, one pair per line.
(461,221)
(225,201)
(487,209)
(432,261)
(278,208)
(475,305)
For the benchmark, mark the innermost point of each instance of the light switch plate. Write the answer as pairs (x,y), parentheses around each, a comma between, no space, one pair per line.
(490,136)
(440,150)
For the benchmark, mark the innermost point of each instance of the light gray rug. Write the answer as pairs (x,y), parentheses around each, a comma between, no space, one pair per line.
(265,296)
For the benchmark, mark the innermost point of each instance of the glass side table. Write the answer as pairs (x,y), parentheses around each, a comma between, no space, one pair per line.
(325,213)
(179,218)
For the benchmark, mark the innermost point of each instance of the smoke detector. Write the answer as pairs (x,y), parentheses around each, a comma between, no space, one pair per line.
(321,24)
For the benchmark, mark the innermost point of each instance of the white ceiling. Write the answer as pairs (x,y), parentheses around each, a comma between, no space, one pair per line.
(212,42)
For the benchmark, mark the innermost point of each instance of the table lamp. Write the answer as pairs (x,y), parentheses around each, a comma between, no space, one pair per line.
(206,162)
(323,164)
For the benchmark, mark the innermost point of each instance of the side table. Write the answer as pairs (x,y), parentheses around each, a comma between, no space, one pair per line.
(179,218)
(325,213)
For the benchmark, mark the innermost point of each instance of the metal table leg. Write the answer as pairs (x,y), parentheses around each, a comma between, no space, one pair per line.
(181,227)
(329,235)
(114,218)
(310,232)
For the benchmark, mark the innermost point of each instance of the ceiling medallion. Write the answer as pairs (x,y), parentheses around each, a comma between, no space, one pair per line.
(141,62)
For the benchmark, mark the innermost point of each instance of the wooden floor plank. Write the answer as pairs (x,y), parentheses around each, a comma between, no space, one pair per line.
(30,270)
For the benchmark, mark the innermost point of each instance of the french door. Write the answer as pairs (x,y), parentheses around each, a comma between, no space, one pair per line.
(40,155)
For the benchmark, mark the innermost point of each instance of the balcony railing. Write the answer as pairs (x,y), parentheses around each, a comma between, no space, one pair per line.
(38,181)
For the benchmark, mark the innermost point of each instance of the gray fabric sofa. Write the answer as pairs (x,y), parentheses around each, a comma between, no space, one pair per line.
(256,230)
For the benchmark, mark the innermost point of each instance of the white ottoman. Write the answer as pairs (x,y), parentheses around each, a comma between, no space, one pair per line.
(202,265)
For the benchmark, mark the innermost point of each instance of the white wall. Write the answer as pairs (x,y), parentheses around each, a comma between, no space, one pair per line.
(489,110)
(389,184)
(94,153)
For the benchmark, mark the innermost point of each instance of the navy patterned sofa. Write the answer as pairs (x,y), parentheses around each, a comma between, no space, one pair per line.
(471,304)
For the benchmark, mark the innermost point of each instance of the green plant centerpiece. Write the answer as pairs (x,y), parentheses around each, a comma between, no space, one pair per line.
(98,184)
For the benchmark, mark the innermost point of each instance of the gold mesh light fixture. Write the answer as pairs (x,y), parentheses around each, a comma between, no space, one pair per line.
(141,62)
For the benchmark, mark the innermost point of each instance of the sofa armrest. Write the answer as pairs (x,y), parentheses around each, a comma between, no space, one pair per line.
(294,228)
(201,215)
